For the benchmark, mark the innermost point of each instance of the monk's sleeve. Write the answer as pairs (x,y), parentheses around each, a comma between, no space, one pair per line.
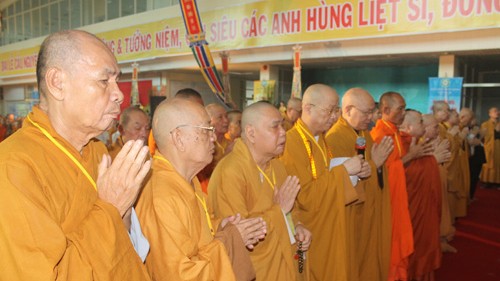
(230,199)
(181,256)
(40,241)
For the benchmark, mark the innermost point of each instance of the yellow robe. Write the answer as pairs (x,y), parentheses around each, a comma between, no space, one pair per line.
(52,224)
(236,186)
(368,221)
(115,148)
(453,171)
(320,204)
(491,169)
(464,187)
(175,223)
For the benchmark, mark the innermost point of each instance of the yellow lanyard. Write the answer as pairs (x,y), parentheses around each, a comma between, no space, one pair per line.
(201,200)
(271,183)
(395,137)
(301,132)
(65,151)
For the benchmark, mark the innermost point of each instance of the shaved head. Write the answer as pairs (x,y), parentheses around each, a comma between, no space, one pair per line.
(465,117)
(392,105)
(190,94)
(412,124)
(294,109)
(218,117)
(431,126)
(320,108)
(357,108)
(172,113)
(252,115)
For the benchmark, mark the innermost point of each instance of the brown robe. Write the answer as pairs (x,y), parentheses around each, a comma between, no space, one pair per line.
(53,226)
(368,220)
(491,169)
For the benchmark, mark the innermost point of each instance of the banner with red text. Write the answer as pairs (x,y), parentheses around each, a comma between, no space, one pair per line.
(271,23)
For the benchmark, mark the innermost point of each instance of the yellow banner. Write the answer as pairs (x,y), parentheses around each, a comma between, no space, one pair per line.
(272,22)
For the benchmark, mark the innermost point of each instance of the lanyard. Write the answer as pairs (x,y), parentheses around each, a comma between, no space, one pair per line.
(65,151)
(201,200)
(395,137)
(271,183)
(301,132)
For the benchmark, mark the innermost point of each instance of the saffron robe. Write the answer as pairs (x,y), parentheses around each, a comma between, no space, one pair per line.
(320,204)
(219,152)
(491,169)
(464,187)
(423,184)
(402,233)
(454,179)
(236,186)
(115,148)
(175,223)
(368,221)
(53,226)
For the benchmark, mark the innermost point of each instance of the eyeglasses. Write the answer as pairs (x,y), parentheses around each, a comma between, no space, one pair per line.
(365,112)
(207,129)
(334,109)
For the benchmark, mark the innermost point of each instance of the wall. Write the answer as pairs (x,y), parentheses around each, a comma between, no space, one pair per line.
(410,81)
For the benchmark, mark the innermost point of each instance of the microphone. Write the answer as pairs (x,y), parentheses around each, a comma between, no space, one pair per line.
(360,145)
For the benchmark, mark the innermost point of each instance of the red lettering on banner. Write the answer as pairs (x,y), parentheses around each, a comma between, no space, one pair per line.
(375,12)
(287,22)
(167,38)
(334,16)
(223,30)
(254,26)
(467,8)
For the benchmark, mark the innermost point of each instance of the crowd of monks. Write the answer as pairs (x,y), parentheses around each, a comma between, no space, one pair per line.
(326,189)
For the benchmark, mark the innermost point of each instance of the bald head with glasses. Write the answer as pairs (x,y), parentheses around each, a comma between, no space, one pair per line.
(183,134)
(358,107)
(320,108)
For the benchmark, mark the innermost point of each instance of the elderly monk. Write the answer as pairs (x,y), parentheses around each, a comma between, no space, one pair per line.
(185,93)
(250,181)
(463,187)
(392,106)
(134,125)
(292,113)
(64,207)
(368,220)
(490,174)
(320,204)
(234,128)
(423,184)
(185,243)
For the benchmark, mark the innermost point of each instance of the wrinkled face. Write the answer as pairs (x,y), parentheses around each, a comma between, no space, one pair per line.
(293,111)
(91,95)
(199,139)
(465,118)
(269,133)
(359,117)
(234,128)
(325,113)
(432,130)
(493,113)
(397,111)
(136,128)
(219,120)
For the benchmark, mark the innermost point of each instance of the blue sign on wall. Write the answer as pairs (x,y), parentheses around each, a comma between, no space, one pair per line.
(445,89)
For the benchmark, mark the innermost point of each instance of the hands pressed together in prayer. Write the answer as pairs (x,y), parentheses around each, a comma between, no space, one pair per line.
(357,166)
(285,195)
(120,182)
(418,150)
(382,150)
(251,229)
(441,150)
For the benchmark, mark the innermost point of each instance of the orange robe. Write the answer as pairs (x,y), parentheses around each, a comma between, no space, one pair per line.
(402,233)
(491,169)
(175,222)
(236,186)
(368,220)
(53,226)
(423,184)
(320,204)
(205,174)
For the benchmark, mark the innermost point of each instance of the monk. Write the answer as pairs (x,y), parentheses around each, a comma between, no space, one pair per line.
(65,208)
(423,184)
(392,106)
(234,128)
(133,125)
(368,220)
(185,93)
(292,113)
(250,181)
(185,243)
(490,174)
(324,192)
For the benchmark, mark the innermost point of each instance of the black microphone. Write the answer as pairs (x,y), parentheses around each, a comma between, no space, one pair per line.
(361,145)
